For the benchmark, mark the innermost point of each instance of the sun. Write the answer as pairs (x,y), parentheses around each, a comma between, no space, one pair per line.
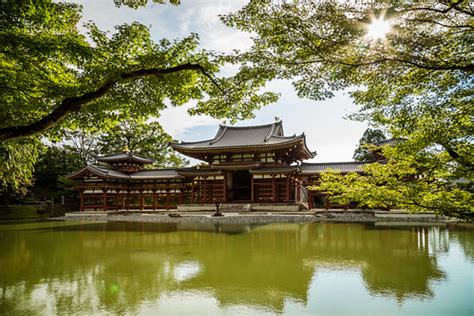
(378,28)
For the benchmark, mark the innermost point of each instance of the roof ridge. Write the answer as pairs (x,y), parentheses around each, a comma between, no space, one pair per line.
(164,168)
(288,137)
(128,154)
(333,162)
(193,142)
(215,140)
(271,132)
(250,126)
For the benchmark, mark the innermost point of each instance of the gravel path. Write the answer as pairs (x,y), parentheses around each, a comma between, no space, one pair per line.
(235,218)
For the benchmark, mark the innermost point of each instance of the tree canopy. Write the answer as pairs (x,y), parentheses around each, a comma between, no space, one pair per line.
(142,138)
(370,136)
(54,77)
(416,81)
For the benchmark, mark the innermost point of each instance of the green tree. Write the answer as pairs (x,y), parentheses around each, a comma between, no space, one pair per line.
(53,164)
(416,82)
(52,77)
(145,139)
(370,136)
(83,143)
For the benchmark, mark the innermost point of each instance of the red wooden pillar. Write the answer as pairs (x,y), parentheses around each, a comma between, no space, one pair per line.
(274,196)
(287,189)
(117,199)
(167,200)
(81,195)
(128,200)
(205,190)
(224,187)
(181,195)
(298,191)
(104,197)
(141,199)
(192,193)
(154,199)
(310,199)
(252,191)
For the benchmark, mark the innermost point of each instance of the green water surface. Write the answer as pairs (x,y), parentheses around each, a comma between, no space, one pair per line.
(189,269)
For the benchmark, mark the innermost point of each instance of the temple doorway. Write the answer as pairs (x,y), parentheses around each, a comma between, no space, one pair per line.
(241,185)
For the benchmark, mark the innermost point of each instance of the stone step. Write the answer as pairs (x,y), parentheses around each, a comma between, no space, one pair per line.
(240,207)
(234,207)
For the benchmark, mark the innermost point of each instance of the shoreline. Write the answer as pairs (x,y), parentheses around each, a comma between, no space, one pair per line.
(263,217)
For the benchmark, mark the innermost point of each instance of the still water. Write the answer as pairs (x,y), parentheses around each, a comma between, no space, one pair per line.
(178,269)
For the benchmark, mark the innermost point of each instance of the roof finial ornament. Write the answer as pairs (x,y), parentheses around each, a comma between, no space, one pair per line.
(125,149)
(277,119)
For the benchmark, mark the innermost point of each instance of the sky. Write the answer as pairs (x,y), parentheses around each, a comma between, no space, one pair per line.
(333,137)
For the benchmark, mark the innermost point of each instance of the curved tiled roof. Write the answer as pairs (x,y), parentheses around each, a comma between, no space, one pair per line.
(344,167)
(245,136)
(156,174)
(125,156)
(101,172)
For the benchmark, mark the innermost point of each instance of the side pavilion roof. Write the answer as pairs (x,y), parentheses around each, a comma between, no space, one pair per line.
(155,174)
(125,156)
(343,167)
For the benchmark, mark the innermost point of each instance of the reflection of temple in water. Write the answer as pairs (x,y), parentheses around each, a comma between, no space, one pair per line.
(118,266)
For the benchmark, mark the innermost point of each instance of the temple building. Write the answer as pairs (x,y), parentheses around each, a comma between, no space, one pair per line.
(241,164)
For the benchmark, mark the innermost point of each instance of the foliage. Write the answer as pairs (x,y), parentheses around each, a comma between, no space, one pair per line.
(84,143)
(145,139)
(53,77)
(403,181)
(411,83)
(52,166)
(17,161)
(370,136)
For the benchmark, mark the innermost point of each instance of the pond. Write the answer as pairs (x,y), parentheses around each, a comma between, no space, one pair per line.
(178,269)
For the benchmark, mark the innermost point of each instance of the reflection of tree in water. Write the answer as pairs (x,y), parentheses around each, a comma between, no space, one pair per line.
(464,236)
(117,267)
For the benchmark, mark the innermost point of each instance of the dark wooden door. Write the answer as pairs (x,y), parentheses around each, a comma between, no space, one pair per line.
(241,182)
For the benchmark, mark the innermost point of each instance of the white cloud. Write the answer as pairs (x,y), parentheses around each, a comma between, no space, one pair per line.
(176,121)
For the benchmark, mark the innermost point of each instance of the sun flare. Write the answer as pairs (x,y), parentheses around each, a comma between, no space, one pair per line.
(378,28)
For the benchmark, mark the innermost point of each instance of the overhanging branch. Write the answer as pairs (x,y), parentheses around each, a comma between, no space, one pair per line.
(74,104)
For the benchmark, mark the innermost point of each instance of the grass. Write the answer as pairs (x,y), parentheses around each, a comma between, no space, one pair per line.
(20,212)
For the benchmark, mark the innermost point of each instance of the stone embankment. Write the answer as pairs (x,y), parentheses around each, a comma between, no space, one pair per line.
(352,216)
